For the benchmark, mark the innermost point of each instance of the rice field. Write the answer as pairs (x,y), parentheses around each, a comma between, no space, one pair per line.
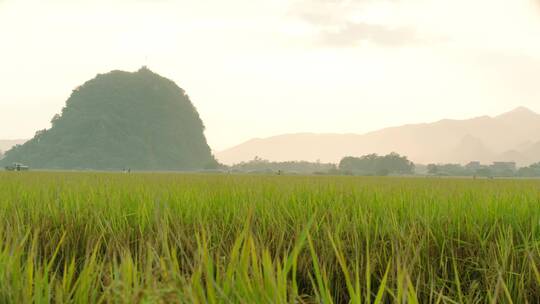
(181,238)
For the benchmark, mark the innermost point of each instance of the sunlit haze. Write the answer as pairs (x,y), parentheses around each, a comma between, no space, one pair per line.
(258,68)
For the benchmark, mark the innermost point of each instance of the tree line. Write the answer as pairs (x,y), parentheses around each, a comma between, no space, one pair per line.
(497,169)
(383,165)
(371,164)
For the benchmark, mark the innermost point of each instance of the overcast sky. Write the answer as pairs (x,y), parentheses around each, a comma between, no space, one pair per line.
(257,68)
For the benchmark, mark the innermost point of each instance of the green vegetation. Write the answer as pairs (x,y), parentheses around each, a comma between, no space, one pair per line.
(259,165)
(373,164)
(530,171)
(498,169)
(121,120)
(170,238)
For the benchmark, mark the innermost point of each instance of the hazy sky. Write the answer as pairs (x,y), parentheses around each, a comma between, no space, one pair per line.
(257,68)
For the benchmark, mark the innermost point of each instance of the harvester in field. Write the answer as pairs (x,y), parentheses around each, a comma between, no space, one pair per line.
(17,167)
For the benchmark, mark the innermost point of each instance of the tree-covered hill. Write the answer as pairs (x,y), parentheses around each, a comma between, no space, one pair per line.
(121,120)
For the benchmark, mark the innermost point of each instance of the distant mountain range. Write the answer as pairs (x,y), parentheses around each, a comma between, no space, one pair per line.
(512,136)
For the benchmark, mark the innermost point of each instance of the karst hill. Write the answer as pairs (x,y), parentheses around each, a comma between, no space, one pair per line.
(121,120)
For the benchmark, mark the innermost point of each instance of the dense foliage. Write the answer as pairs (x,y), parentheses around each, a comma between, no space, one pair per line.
(169,238)
(483,170)
(530,171)
(457,170)
(259,165)
(374,164)
(121,120)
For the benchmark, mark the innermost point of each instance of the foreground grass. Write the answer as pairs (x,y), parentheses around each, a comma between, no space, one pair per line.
(168,238)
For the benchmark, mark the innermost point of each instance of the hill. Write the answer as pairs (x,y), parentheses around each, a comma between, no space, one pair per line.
(121,120)
(6,144)
(514,134)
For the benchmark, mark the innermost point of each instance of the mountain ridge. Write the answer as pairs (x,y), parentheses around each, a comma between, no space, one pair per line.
(432,142)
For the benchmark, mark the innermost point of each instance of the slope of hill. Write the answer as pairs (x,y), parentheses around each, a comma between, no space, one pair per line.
(6,144)
(121,120)
(483,138)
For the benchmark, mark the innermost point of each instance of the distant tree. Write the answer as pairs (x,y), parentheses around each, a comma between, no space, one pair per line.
(485,172)
(433,169)
(451,170)
(373,164)
(473,169)
(503,169)
(395,163)
(530,171)
(383,172)
(300,167)
(55,118)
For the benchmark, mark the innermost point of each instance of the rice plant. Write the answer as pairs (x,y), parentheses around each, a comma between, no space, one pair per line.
(188,238)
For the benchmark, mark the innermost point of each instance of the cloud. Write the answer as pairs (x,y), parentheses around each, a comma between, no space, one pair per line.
(351,34)
(327,12)
(336,24)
